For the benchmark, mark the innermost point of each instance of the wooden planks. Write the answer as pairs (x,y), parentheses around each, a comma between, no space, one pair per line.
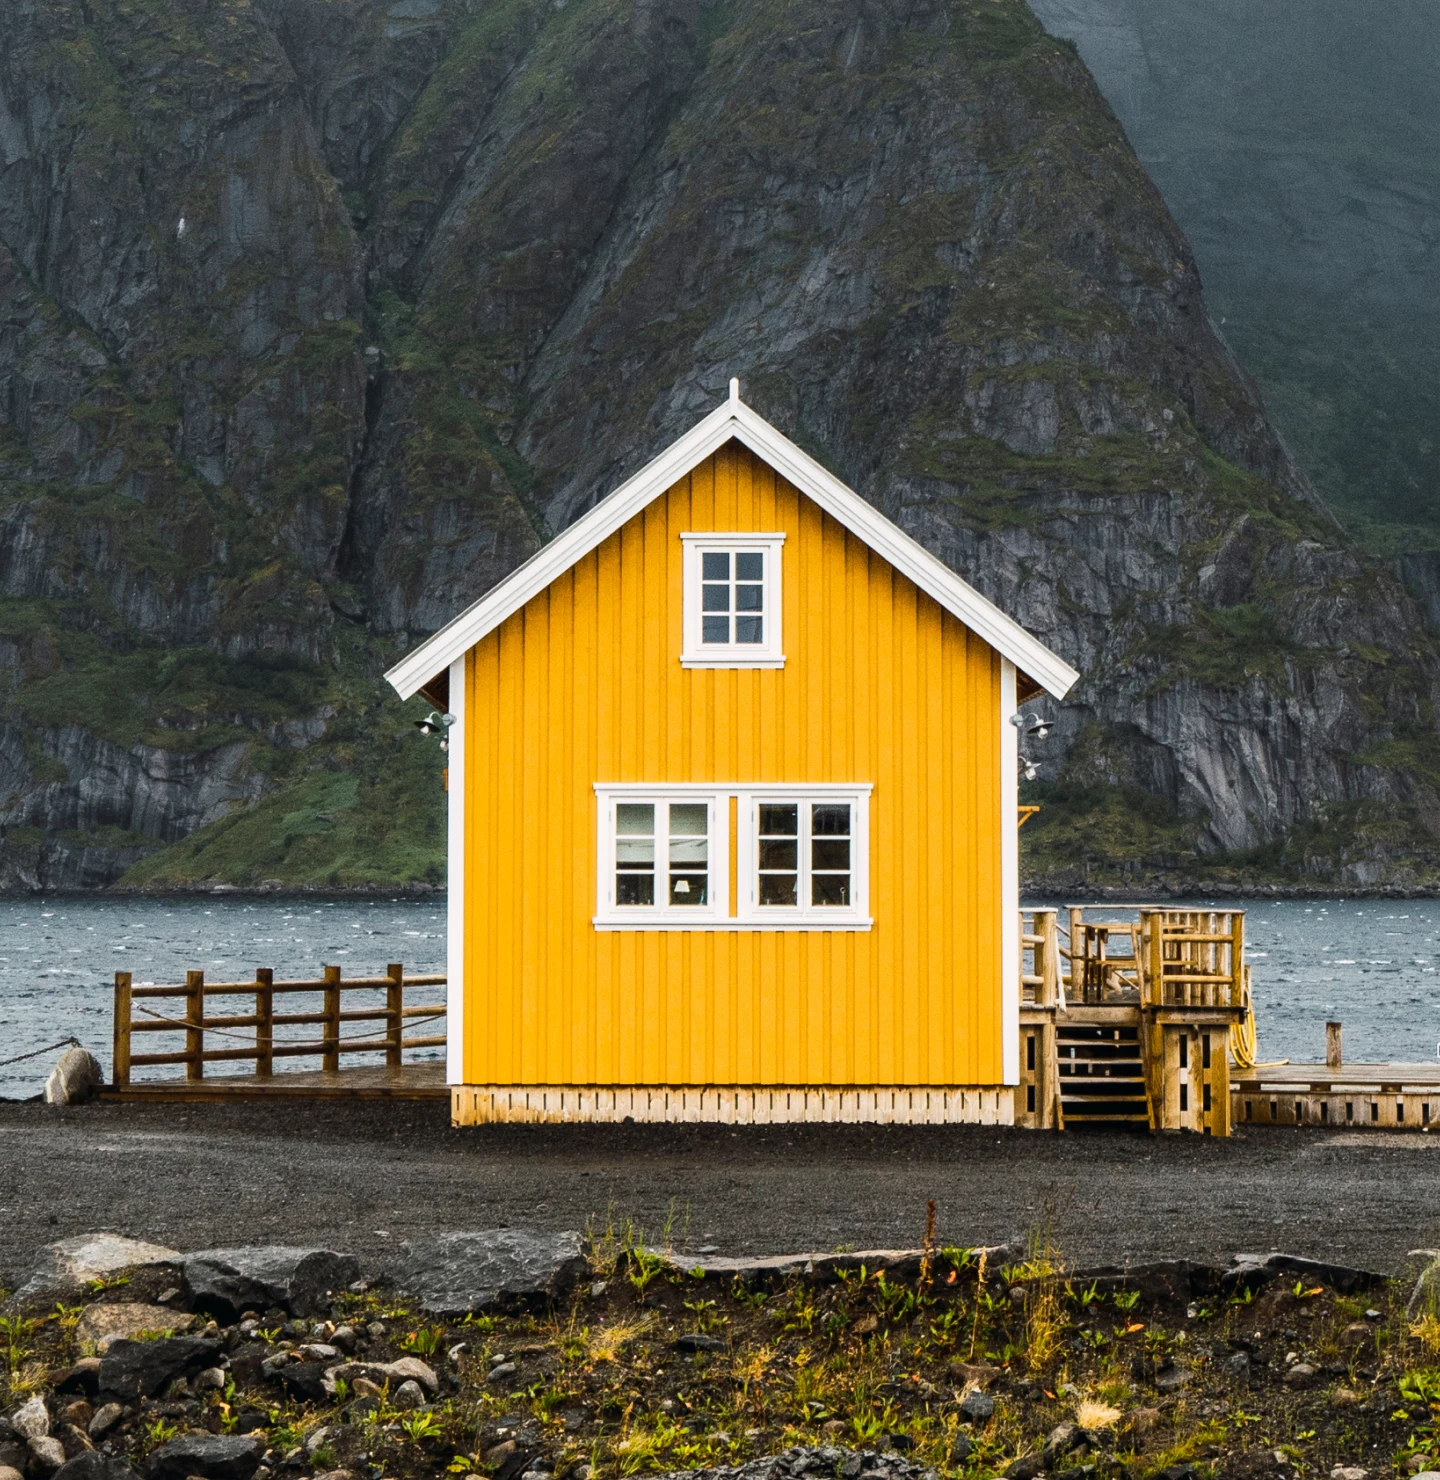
(424,1081)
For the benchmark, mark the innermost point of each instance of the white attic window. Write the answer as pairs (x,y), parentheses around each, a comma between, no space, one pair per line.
(732,601)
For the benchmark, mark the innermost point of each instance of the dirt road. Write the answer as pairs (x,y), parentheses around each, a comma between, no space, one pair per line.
(363,1176)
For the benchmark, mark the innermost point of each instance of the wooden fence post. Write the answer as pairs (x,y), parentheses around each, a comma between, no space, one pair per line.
(120,1072)
(330,1058)
(265,1028)
(1334,1056)
(195,1017)
(394,1014)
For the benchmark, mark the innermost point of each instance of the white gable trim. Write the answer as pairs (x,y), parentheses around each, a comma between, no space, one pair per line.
(734,418)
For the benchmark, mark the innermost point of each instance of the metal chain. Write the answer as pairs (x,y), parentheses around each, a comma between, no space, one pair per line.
(49,1048)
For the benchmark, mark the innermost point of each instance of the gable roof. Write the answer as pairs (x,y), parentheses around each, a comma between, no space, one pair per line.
(733,418)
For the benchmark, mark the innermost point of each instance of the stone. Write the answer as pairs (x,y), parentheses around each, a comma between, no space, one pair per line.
(32,1419)
(47,1454)
(227,1282)
(1349,1472)
(977,1407)
(1063,1438)
(6,1473)
(961,1449)
(99,1325)
(412,1368)
(79,1413)
(975,1374)
(1172,1379)
(73,1440)
(362,1387)
(105,1419)
(72,1262)
(696,1341)
(140,1369)
(212,1379)
(1301,1375)
(13,1456)
(501,1372)
(496,1269)
(306,1380)
(1425,1297)
(1027,1467)
(1428,1475)
(81,1378)
(1418,1462)
(409,1395)
(499,1453)
(213,1456)
(1344,1397)
(95,1465)
(76,1077)
(1237,1364)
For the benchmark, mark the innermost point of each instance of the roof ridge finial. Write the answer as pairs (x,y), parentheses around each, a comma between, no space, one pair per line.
(734,390)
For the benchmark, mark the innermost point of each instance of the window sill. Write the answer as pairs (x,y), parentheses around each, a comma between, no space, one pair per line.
(733,924)
(730,660)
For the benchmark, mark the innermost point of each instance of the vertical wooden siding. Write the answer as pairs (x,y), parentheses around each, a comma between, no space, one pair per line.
(880,684)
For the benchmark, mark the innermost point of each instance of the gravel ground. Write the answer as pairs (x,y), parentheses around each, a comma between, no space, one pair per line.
(362,1176)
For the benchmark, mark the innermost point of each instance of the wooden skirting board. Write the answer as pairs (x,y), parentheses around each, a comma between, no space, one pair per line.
(485,1104)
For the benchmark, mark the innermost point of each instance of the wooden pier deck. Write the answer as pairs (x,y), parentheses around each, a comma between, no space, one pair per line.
(423,1081)
(1361,1096)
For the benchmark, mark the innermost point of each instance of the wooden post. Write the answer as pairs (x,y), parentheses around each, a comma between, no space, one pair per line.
(120,1072)
(265,1028)
(330,1059)
(1333,1056)
(394,1019)
(195,1017)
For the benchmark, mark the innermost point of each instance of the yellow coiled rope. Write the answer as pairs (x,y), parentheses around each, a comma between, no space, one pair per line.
(1242,1033)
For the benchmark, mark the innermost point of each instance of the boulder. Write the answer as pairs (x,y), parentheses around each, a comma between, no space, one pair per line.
(213,1456)
(31,1420)
(77,1077)
(225,1282)
(140,1369)
(93,1465)
(102,1324)
(499,1269)
(70,1263)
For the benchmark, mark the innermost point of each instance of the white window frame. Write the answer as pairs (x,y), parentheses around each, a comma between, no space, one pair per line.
(697,654)
(662,915)
(855,915)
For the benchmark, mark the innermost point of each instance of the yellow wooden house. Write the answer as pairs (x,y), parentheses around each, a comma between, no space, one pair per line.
(733,809)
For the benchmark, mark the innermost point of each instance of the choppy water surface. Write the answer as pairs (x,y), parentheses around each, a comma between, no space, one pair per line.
(1372,965)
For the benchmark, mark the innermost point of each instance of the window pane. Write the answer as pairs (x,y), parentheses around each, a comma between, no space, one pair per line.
(749,598)
(830,853)
(779,853)
(635,819)
(689,819)
(750,565)
(779,820)
(777,889)
(635,889)
(635,853)
(715,565)
(832,818)
(688,853)
(830,889)
(715,629)
(715,598)
(688,888)
(748,629)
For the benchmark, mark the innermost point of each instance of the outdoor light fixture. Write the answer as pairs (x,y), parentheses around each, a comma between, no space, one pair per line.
(1028,769)
(1037,726)
(433,723)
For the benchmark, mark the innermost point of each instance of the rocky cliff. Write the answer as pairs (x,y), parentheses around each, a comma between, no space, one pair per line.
(320,315)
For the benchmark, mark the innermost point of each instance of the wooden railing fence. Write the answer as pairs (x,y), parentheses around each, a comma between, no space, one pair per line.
(265,1048)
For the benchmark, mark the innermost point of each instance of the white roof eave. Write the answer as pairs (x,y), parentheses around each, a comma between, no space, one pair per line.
(735,419)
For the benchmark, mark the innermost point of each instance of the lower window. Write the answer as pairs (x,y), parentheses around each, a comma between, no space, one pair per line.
(664,858)
(803,855)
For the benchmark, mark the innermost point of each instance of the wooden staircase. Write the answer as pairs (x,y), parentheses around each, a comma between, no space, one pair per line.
(1102,1073)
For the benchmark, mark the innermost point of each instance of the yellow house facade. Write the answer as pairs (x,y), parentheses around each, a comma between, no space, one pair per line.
(732,809)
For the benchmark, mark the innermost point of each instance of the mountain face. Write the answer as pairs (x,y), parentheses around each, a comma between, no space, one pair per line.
(318,316)
(1298,145)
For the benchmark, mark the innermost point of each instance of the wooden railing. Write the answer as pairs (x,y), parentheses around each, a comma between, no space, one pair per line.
(189,1018)
(1194,958)
(1040,983)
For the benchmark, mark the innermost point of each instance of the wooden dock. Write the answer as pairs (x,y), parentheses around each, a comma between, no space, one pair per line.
(423,1081)
(1357,1096)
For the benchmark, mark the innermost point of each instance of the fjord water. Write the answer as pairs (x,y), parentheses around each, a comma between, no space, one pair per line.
(1371,964)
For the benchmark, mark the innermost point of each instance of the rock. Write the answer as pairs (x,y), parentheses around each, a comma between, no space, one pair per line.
(306,1380)
(975,1374)
(73,1440)
(6,1473)
(961,1449)
(412,1368)
(1425,1297)
(1143,1420)
(1301,1375)
(1418,1462)
(47,1454)
(695,1341)
(77,1077)
(105,1419)
(136,1369)
(1027,1467)
(1063,1438)
(314,1439)
(977,1407)
(213,1456)
(81,1378)
(319,1351)
(102,1324)
(1237,1364)
(1428,1475)
(1172,1379)
(1349,1472)
(1344,1397)
(31,1420)
(79,1413)
(70,1263)
(501,1372)
(93,1465)
(362,1387)
(13,1456)
(212,1379)
(499,1269)
(499,1453)
(409,1395)
(227,1282)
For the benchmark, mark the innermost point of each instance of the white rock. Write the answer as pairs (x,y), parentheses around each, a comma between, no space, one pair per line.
(212,1379)
(1349,1472)
(32,1420)
(77,1077)
(6,1473)
(71,1262)
(102,1324)
(47,1455)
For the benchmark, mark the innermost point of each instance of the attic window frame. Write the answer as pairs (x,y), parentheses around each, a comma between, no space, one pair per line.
(696,653)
